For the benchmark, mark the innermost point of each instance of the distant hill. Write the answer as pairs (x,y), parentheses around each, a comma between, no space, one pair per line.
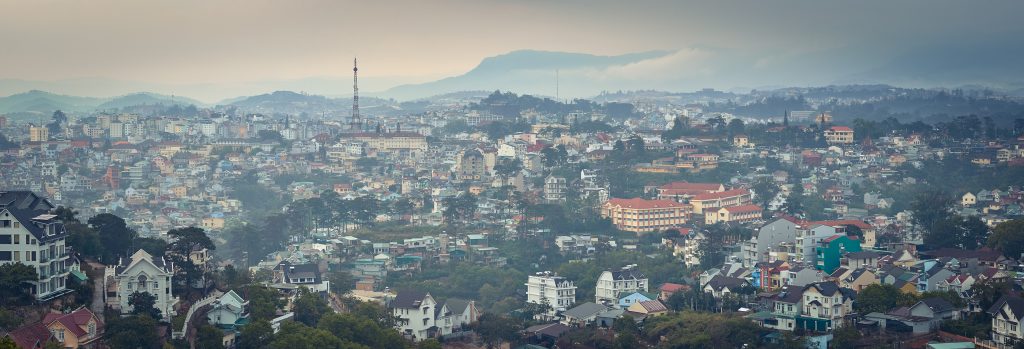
(45,102)
(146,98)
(519,71)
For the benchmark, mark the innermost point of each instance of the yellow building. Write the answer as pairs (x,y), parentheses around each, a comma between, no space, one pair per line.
(711,202)
(640,215)
(839,135)
(38,134)
(406,143)
(733,214)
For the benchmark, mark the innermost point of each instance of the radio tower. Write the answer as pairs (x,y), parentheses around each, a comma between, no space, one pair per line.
(357,121)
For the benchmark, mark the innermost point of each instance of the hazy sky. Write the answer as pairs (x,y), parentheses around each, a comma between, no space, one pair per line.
(226,42)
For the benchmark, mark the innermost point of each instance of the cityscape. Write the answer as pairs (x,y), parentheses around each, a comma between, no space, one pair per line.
(528,184)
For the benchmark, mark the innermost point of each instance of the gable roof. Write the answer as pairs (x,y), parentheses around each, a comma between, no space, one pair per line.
(720,282)
(585,310)
(409,299)
(31,336)
(1015,303)
(457,305)
(652,306)
(937,304)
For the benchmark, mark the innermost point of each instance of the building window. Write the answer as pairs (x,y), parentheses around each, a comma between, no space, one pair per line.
(6,223)
(5,239)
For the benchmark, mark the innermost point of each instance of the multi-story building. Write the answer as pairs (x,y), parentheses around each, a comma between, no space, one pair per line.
(552,290)
(683,191)
(38,133)
(839,135)
(613,284)
(733,214)
(714,201)
(419,315)
(400,143)
(30,235)
(824,307)
(832,249)
(769,238)
(640,215)
(1007,319)
(471,166)
(554,189)
(141,273)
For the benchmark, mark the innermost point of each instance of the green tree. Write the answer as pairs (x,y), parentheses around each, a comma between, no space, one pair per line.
(154,246)
(496,329)
(341,281)
(255,335)
(309,307)
(14,286)
(263,301)
(845,337)
(136,331)
(143,303)
(115,236)
(298,335)
(7,343)
(878,298)
(209,336)
(1008,237)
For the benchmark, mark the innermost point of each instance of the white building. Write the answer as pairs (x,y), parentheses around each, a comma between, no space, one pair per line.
(228,311)
(555,189)
(420,316)
(30,235)
(613,284)
(142,273)
(555,291)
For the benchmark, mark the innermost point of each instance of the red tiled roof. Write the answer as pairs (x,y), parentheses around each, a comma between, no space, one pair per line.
(721,195)
(841,129)
(31,336)
(637,203)
(670,287)
(688,186)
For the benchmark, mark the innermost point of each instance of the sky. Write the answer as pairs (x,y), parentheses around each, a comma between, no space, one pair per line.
(165,45)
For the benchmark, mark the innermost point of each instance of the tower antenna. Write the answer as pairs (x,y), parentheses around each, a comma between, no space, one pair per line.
(356,118)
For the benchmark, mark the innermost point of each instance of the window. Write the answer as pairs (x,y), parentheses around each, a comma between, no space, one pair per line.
(17,239)
(5,239)
(5,255)
(17,224)
(6,223)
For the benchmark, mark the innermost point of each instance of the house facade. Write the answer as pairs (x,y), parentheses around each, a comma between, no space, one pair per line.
(548,289)
(30,235)
(613,284)
(141,273)
(640,215)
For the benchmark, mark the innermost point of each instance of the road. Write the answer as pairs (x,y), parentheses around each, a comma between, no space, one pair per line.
(98,289)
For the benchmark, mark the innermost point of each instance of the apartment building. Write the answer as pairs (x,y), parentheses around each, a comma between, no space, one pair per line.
(31,235)
(641,215)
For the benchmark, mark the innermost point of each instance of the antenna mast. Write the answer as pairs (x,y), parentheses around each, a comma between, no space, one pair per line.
(356,118)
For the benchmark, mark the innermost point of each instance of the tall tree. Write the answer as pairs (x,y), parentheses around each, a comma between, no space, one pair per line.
(144,303)
(14,286)
(1008,237)
(134,331)
(309,307)
(209,336)
(115,235)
